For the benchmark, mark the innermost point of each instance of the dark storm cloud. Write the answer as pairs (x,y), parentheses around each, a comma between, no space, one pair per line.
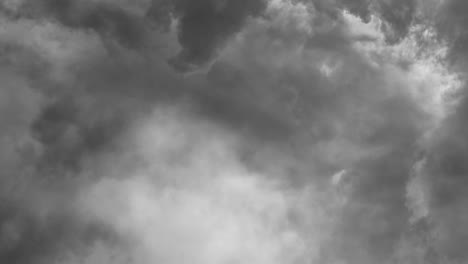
(380,187)
(205,26)
(289,82)
(27,239)
(441,173)
(359,7)
(451,21)
(104,18)
(395,125)
(49,128)
(81,115)
(69,134)
(399,14)
(203,29)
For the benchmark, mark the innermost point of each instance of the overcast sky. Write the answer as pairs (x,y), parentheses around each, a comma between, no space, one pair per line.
(233,131)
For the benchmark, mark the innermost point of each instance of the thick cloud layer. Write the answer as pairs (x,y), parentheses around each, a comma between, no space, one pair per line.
(227,131)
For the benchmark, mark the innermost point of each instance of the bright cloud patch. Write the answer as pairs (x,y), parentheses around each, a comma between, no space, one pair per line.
(205,208)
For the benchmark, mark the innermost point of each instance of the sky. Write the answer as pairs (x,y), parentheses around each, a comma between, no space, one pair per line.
(233,131)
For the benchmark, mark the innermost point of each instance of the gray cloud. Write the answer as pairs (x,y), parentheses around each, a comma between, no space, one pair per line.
(284,92)
(205,26)
(437,190)
(442,181)
(100,16)
(397,15)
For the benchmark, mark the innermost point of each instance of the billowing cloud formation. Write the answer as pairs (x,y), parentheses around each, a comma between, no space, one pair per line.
(232,131)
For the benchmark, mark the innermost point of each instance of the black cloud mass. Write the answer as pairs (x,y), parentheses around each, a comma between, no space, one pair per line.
(233,131)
